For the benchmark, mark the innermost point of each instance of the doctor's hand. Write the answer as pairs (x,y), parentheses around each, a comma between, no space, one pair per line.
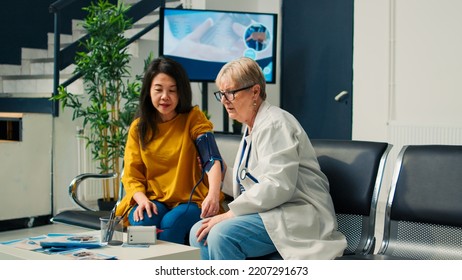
(209,223)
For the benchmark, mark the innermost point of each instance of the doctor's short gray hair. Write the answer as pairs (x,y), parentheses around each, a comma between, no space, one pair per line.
(243,71)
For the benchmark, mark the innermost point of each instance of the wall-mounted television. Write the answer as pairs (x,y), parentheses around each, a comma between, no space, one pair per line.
(204,40)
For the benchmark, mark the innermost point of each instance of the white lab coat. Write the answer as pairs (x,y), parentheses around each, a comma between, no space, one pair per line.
(292,194)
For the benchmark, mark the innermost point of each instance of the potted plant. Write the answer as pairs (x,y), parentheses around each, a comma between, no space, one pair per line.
(110,100)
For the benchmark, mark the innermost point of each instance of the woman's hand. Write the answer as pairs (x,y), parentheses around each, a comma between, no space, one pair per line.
(143,204)
(209,223)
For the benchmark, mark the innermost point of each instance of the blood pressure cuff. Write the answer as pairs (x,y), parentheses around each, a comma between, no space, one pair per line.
(208,151)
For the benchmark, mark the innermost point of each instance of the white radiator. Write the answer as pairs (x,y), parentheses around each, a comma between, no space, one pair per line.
(408,134)
(400,134)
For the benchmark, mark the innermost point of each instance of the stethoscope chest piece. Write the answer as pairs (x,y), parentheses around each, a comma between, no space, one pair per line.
(243,173)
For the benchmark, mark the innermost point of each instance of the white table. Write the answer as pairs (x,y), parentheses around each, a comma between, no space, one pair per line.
(162,250)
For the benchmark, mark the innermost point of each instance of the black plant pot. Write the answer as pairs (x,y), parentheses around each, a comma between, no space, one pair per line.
(106,205)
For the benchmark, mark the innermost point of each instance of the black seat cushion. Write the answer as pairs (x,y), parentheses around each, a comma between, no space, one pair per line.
(82,218)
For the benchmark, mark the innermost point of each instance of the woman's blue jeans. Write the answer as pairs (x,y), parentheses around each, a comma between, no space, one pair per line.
(237,238)
(175,223)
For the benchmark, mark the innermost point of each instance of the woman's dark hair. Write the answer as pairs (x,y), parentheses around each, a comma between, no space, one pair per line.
(149,116)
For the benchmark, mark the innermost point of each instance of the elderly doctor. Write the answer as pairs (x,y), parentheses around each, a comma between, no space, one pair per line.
(281,198)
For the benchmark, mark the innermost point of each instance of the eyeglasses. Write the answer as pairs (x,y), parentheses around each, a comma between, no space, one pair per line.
(230,95)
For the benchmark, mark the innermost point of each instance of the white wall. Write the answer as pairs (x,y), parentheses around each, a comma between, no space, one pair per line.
(370,70)
(25,170)
(407,65)
(428,62)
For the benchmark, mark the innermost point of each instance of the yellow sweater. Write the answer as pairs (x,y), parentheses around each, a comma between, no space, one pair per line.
(167,169)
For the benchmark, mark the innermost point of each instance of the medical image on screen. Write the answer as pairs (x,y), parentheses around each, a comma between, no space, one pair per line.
(203,41)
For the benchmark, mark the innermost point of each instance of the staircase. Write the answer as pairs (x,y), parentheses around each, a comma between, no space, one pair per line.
(34,77)
(30,180)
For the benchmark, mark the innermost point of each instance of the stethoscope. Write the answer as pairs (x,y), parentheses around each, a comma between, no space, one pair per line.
(244,173)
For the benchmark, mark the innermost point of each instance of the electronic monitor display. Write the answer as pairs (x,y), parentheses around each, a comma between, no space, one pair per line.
(204,40)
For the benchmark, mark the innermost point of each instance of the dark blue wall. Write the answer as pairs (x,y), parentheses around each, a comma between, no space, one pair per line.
(25,23)
(317,64)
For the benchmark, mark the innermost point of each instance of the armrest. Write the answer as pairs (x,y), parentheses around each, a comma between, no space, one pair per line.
(75,183)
